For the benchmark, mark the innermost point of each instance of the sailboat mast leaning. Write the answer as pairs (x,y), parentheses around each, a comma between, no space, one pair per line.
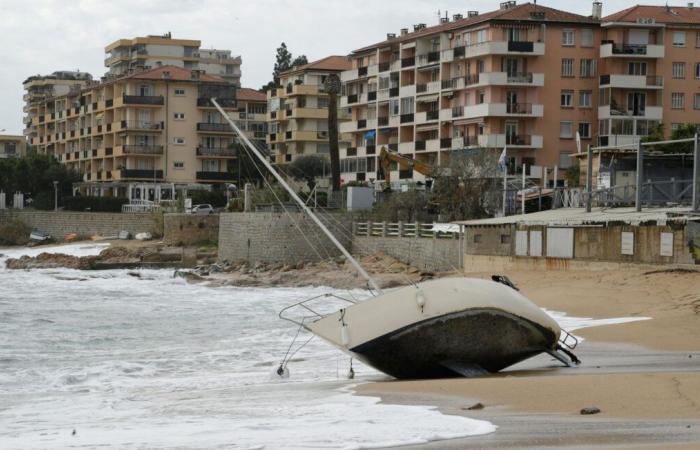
(296,198)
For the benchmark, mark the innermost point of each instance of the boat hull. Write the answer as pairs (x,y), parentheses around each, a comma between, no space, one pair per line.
(458,344)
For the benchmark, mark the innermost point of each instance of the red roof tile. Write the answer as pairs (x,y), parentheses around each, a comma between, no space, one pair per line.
(334,63)
(250,95)
(660,14)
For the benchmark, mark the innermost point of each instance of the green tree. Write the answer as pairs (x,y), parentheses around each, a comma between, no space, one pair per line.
(283,61)
(307,168)
(300,61)
(34,174)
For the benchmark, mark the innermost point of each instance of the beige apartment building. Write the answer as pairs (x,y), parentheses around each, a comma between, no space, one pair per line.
(157,126)
(525,77)
(148,52)
(251,114)
(12,146)
(41,87)
(298,110)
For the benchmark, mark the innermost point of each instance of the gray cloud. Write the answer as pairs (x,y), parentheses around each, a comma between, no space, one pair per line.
(47,35)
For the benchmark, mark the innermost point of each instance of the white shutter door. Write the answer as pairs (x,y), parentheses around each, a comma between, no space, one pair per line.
(560,243)
(536,243)
(521,243)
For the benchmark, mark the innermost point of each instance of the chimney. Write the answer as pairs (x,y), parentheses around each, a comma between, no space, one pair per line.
(404,31)
(457,17)
(690,5)
(195,74)
(472,13)
(444,20)
(597,10)
(390,36)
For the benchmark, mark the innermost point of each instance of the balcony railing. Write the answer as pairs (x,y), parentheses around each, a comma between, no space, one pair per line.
(142,173)
(383,121)
(420,88)
(407,118)
(520,77)
(445,142)
(512,139)
(394,92)
(384,66)
(458,111)
(362,71)
(214,176)
(362,123)
(215,127)
(141,125)
(420,145)
(352,98)
(432,115)
(519,108)
(143,99)
(521,46)
(371,149)
(372,96)
(203,102)
(216,151)
(628,49)
(408,62)
(142,149)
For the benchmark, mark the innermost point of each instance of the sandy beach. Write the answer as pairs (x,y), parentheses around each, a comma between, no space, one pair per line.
(643,376)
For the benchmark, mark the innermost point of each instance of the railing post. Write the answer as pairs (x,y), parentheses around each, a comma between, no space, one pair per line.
(384,229)
(370,225)
(640,170)
(696,175)
(400,230)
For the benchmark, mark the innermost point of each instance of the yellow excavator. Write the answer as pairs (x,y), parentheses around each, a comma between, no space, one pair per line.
(386,157)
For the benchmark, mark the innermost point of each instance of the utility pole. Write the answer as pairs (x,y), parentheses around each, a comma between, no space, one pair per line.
(55,195)
(640,174)
(696,174)
(589,179)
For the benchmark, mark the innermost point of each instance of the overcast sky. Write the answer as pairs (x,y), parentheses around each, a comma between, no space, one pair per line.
(43,36)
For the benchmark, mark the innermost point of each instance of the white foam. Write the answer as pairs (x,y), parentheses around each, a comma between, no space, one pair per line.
(154,362)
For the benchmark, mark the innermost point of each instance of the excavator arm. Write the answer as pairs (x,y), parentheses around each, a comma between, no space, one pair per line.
(386,157)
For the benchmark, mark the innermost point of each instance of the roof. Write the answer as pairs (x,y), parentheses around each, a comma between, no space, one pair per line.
(333,63)
(597,216)
(520,13)
(159,40)
(250,95)
(660,14)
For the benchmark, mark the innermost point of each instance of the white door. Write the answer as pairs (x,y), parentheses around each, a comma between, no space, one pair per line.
(536,243)
(560,243)
(521,243)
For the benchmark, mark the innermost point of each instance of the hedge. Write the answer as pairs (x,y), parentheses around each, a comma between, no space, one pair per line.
(95,204)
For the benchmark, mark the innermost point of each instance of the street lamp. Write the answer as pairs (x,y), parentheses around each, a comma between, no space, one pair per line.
(55,195)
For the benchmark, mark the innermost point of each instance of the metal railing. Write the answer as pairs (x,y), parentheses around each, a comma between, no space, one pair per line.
(142,149)
(401,229)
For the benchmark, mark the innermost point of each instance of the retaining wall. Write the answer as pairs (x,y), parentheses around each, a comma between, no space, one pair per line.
(60,223)
(190,229)
(274,238)
(428,254)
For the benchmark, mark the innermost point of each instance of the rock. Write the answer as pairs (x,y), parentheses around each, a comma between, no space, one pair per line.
(70,237)
(412,270)
(134,274)
(300,266)
(590,410)
(143,236)
(475,407)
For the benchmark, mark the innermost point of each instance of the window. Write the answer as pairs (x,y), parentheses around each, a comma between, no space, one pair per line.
(564,159)
(584,129)
(567,37)
(178,165)
(323,102)
(697,70)
(675,126)
(477,238)
(394,107)
(679,38)
(179,92)
(697,38)
(678,70)
(567,67)
(179,141)
(179,116)
(587,68)
(480,36)
(637,68)
(481,97)
(566,129)
(586,37)
(696,101)
(585,99)
(567,99)
(677,100)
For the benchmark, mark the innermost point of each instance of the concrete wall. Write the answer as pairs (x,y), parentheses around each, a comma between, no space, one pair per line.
(190,229)
(590,243)
(60,223)
(274,238)
(426,254)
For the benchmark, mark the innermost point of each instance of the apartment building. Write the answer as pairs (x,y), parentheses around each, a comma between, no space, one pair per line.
(650,71)
(152,128)
(523,76)
(12,146)
(147,52)
(251,115)
(298,110)
(41,87)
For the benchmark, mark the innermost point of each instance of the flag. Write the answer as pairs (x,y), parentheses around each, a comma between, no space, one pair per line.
(502,160)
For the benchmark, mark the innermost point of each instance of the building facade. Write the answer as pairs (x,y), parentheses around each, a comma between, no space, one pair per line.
(12,146)
(41,87)
(156,126)
(298,110)
(525,77)
(142,53)
(251,115)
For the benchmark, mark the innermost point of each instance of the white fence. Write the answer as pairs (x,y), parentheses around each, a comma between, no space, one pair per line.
(403,229)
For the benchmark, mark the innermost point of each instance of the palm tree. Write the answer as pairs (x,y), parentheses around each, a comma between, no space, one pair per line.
(332,88)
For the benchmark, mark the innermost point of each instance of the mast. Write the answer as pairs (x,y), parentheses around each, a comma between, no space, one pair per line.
(296,198)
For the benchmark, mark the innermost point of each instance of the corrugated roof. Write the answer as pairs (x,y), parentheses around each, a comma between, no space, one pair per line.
(520,13)
(250,95)
(597,216)
(660,14)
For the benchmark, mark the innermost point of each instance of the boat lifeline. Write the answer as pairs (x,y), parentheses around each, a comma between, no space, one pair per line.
(448,327)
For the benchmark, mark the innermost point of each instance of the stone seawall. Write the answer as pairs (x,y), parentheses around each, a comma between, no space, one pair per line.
(60,223)
(427,254)
(274,238)
(190,229)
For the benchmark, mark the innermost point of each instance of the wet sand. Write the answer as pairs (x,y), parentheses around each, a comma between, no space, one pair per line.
(644,376)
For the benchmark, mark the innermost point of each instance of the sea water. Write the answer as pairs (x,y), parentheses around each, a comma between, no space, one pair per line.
(139,359)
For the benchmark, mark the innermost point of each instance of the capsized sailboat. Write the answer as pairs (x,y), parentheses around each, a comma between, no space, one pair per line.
(441,328)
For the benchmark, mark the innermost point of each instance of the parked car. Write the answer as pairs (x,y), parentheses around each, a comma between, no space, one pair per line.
(203,209)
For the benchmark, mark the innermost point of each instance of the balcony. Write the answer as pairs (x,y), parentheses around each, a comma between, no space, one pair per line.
(615,50)
(383,121)
(408,62)
(362,123)
(429,58)
(130,149)
(372,96)
(407,118)
(216,152)
(352,98)
(510,140)
(394,92)
(511,79)
(143,100)
(384,66)
(427,116)
(428,88)
(494,48)
(614,112)
(141,125)
(147,174)
(632,81)
(214,176)
(204,102)
(205,127)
